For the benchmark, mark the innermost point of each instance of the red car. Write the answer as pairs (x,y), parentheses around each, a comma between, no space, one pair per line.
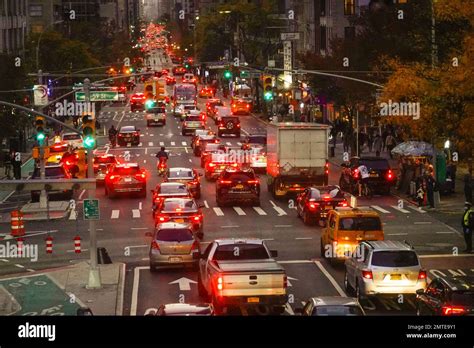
(170,80)
(206,92)
(102,163)
(125,178)
(179,71)
(181,210)
(137,102)
(168,190)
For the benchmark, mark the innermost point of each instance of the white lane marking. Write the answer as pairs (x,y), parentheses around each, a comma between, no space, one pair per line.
(73,215)
(331,279)
(282,226)
(18,265)
(239,143)
(138,246)
(239,211)
(228,144)
(289,309)
(136,213)
(417,209)
(151,135)
(259,211)
(190,160)
(230,226)
(150,143)
(184,143)
(205,204)
(449,232)
(136,282)
(186,149)
(173,143)
(140,144)
(146,150)
(380,209)
(139,228)
(397,234)
(422,222)
(82,194)
(304,238)
(30,270)
(3,260)
(400,209)
(115,214)
(268,239)
(162,143)
(140,205)
(280,211)
(218,211)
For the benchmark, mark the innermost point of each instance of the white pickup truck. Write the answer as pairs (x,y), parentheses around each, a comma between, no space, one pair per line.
(242,272)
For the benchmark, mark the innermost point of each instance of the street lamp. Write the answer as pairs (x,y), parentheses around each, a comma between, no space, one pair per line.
(39,41)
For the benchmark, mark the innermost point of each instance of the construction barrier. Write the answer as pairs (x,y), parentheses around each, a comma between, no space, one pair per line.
(49,245)
(77,244)
(17,224)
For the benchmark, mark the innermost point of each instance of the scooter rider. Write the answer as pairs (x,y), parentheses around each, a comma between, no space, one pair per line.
(113,134)
(162,154)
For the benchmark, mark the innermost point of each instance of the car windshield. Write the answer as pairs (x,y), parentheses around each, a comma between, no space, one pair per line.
(395,258)
(326,193)
(189,107)
(127,129)
(257,140)
(245,252)
(166,189)
(337,310)
(374,164)
(360,224)
(463,298)
(242,176)
(213,147)
(72,137)
(178,174)
(184,204)
(157,110)
(57,149)
(126,170)
(105,159)
(193,118)
(174,235)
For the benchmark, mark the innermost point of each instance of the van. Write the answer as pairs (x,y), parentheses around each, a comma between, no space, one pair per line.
(346,228)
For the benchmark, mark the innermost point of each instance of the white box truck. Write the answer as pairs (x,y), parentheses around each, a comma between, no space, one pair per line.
(297,157)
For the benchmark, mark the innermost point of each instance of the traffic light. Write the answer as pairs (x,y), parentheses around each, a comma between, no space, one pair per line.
(159,88)
(227,74)
(40,131)
(88,131)
(268,88)
(149,103)
(149,90)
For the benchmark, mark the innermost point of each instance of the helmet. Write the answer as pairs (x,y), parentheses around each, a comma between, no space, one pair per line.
(162,148)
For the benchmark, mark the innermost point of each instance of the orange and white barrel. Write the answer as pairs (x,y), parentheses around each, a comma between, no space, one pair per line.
(77,244)
(17,223)
(49,245)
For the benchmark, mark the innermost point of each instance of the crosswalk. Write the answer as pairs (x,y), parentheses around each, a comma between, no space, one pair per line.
(269,208)
(170,144)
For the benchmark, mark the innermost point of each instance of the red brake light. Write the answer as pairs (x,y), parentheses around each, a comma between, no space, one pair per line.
(356,173)
(285,281)
(326,197)
(163,218)
(212,164)
(367,275)
(197,218)
(220,284)
(225,182)
(251,181)
(453,310)
(313,205)
(154,245)
(389,174)
(422,275)
(238,125)
(343,204)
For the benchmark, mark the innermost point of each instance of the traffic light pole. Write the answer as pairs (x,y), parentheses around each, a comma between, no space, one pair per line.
(43,196)
(94,273)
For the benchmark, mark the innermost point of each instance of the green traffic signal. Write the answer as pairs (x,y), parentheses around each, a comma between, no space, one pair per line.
(40,137)
(227,74)
(149,104)
(89,142)
(268,96)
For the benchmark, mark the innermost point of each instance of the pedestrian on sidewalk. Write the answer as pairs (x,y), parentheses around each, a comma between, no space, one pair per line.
(468,183)
(468,225)
(430,187)
(390,144)
(378,145)
(16,162)
(346,141)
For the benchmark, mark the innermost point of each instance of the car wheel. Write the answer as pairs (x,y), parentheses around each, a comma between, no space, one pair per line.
(153,269)
(148,124)
(256,202)
(358,293)
(347,285)
(183,133)
(219,202)
(201,289)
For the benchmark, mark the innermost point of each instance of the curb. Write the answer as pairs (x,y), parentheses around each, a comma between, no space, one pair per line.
(120,291)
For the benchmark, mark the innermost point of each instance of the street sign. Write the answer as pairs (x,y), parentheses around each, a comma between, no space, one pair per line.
(91,209)
(290,36)
(98,96)
(40,95)
(271,63)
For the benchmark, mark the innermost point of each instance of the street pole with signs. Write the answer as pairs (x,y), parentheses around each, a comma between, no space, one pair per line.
(94,274)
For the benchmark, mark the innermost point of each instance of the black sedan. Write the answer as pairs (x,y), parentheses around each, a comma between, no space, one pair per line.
(128,135)
(313,204)
(187,176)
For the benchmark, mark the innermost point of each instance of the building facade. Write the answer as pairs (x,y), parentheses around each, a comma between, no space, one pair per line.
(42,14)
(13,26)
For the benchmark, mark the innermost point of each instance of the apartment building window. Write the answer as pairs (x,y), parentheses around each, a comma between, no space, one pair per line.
(349,7)
(349,33)
(323,38)
(36,10)
(322,7)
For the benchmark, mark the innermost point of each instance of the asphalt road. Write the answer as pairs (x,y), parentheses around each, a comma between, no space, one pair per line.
(124,222)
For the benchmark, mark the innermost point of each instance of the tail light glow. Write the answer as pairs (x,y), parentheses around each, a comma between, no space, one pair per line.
(367,275)
(285,281)
(453,310)
(252,182)
(219,283)
(422,275)
(225,182)
(154,245)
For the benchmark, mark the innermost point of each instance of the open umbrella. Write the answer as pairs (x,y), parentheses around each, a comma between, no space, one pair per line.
(413,148)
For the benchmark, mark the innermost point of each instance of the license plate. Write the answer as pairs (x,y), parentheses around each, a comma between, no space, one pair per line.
(253,300)
(374,175)
(176,259)
(128,179)
(395,277)
(179,221)
(239,186)
(129,144)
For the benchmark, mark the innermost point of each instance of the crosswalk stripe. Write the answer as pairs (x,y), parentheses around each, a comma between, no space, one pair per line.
(259,211)
(400,209)
(239,211)
(205,204)
(184,143)
(417,209)
(141,144)
(150,143)
(380,209)
(229,144)
(162,143)
(218,211)
(173,143)
(279,210)
(136,213)
(115,214)
(239,144)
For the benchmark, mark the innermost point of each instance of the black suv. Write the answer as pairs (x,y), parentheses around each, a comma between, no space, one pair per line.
(447,296)
(237,185)
(228,125)
(381,176)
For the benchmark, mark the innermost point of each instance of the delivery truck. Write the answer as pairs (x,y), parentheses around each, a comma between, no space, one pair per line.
(297,157)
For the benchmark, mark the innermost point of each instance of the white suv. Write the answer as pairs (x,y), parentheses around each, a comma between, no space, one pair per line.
(384,267)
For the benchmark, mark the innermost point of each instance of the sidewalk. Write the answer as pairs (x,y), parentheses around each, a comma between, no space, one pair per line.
(26,168)
(62,292)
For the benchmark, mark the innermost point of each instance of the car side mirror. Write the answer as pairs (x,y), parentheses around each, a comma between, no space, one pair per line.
(274,253)
(298,310)
(148,234)
(420,291)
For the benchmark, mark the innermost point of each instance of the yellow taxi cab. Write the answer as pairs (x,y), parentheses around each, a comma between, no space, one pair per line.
(346,228)
(240,107)
(56,152)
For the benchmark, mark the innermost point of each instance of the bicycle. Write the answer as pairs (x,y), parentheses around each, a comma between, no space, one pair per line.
(366,190)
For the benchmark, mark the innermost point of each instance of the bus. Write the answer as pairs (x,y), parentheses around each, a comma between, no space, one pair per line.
(184,94)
